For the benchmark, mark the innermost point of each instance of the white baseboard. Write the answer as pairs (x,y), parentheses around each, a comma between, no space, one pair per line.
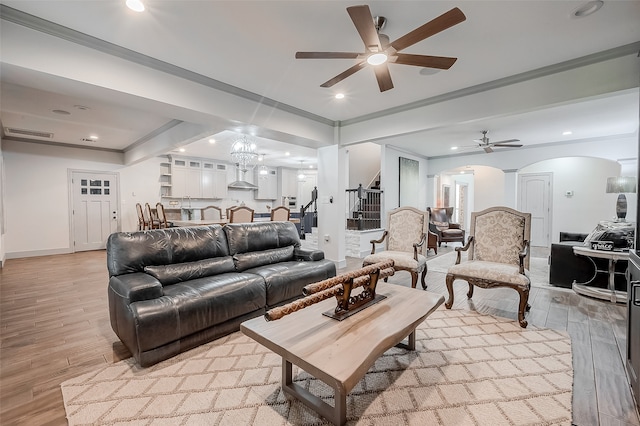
(35,253)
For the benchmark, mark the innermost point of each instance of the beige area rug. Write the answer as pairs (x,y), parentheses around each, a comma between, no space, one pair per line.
(538,267)
(468,369)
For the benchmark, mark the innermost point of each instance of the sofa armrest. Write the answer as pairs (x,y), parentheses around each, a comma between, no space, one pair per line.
(135,287)
(434,229)
(300,253)
(381,240)
(454,225)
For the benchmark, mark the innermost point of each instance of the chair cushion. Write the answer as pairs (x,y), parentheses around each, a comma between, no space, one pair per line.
(402,260)
(491,271)
(453,232)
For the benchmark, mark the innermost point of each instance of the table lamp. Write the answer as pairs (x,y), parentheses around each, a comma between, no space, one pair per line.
(620,185)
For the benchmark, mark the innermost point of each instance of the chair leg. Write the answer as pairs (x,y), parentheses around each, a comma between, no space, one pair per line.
(470,292)
(414,279)
(449,303)
(424,275)
(524,306)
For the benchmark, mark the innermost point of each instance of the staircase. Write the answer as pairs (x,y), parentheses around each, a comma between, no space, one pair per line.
(364,207)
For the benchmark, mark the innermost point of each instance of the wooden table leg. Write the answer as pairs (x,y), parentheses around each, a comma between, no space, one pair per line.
(336,414)
(412,342)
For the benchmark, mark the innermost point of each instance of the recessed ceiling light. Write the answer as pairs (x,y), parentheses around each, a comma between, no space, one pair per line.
(61,112)
(567,133)
(453,148)
(81,107)
(135,5)
(93,137)
(182,150)
(429,71)
(287,153)
(212,141)
(588,9)
(339,95)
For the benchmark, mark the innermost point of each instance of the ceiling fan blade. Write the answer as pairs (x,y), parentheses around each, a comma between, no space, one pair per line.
(487,149)
(513,145)
(440,62)
(363,20)
(338,78)
(383,76)
(327,55)
(506,141)
(441,23)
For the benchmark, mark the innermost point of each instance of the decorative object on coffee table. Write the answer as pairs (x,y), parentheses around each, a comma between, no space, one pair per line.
(341,287)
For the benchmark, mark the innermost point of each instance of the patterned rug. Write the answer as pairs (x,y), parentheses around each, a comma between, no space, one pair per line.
(468,369)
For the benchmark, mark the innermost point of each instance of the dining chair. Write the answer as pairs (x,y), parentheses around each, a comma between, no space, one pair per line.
(280,214)
(142,223)
(211,213)
(151,219)
(242,214)
(228,211)
(162,217)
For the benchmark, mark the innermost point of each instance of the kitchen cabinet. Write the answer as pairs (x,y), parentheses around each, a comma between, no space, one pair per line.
(214,180)
(267,185)
(196,178)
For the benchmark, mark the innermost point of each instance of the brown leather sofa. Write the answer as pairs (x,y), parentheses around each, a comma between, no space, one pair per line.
(441,225)
(173,289)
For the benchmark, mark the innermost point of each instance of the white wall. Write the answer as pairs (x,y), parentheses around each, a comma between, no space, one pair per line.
(364,164)
(390,170)
(587,178)
(332,215)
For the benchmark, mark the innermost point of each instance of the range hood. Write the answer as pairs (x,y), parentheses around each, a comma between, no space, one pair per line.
(240,183)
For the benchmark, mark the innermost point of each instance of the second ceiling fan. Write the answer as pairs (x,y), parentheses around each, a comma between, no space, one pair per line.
(379,52)
(488,146)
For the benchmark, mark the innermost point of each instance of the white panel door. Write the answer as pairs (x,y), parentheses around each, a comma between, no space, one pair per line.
(535,198)
(95,209)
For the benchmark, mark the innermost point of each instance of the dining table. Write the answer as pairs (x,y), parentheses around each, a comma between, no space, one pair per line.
(201,222)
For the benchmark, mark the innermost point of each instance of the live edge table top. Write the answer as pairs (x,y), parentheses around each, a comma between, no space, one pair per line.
(340,352)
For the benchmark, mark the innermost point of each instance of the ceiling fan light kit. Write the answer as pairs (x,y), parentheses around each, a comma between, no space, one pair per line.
(379,52)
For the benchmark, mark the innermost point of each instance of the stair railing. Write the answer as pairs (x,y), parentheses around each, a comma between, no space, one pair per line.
(363,208)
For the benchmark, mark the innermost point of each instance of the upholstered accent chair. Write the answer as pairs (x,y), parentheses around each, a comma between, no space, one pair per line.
(440,223)
(211,213)
(240,214)
(280,214)
(405,243)
(498,255)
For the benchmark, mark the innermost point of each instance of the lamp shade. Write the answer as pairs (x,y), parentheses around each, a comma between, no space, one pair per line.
(621,184)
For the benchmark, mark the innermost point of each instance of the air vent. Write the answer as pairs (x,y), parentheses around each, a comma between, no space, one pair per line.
(22,132)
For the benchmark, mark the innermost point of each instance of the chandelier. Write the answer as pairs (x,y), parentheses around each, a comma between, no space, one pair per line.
(243,153)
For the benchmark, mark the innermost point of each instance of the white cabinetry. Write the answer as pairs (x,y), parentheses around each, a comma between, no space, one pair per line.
(267,185)
(289,182)
(214,180)
(196,178)
(165,179)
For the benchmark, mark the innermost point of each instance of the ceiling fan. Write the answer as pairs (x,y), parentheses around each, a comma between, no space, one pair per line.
(487,146)
(379,52)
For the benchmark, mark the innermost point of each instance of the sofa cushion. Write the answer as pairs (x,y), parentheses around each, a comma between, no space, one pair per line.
(192,306)
(259,236)
(129,252)
(285,280)
(244,261)
(180,272)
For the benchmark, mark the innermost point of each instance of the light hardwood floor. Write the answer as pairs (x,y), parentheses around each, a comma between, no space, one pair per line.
(54,325)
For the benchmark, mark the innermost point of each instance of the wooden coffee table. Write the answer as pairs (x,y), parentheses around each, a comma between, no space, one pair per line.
(341,352)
